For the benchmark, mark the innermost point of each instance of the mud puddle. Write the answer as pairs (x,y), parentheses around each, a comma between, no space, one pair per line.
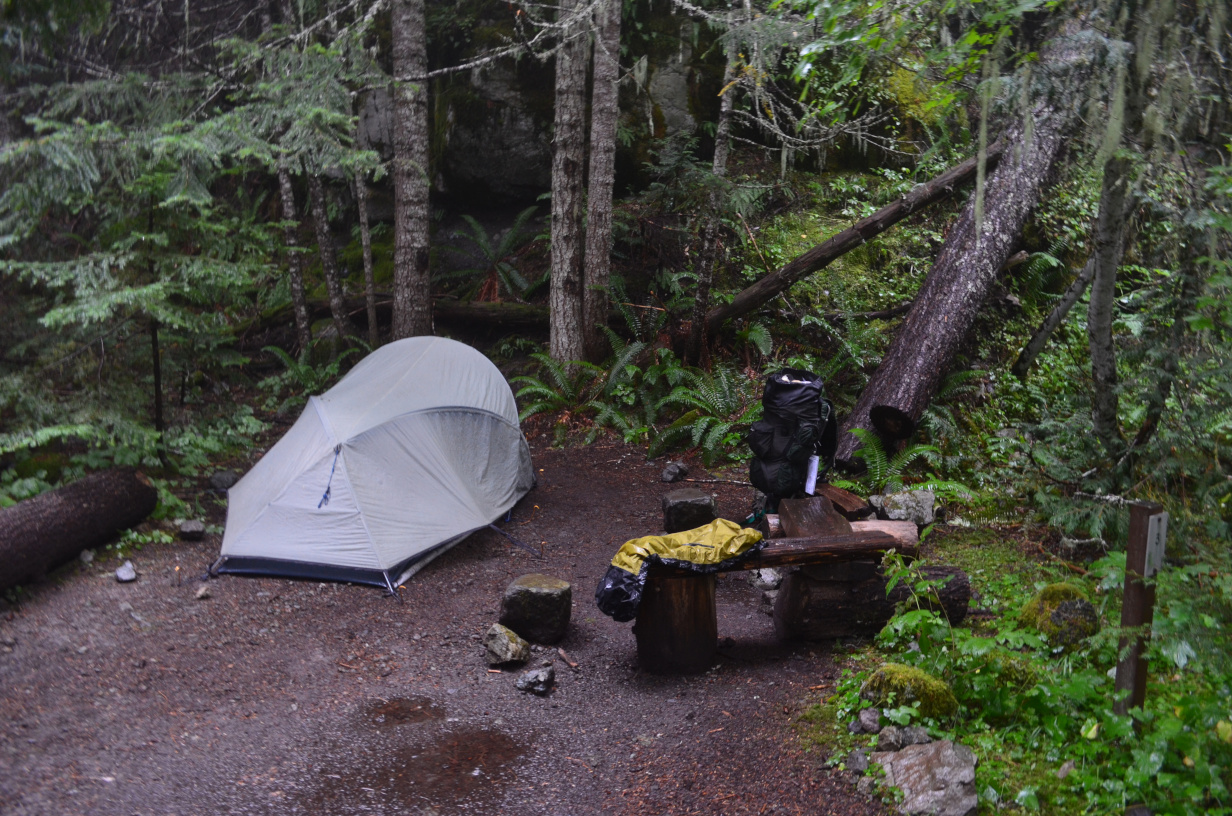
(401,710)
(458,770)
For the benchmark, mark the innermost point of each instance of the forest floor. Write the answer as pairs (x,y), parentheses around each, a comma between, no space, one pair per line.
(276,696)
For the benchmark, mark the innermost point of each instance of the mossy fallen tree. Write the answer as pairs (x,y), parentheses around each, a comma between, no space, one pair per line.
(817,258)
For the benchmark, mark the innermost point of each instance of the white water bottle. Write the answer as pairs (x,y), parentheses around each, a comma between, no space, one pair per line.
(810,481)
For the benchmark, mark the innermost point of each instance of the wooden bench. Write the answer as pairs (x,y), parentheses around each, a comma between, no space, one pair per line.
(677,621)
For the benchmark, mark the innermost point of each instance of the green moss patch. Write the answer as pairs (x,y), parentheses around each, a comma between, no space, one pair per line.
(896,684)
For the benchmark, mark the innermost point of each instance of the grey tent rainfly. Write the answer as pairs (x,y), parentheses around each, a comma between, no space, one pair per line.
(415,448)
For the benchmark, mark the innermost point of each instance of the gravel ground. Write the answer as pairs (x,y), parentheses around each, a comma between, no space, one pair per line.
(275,696)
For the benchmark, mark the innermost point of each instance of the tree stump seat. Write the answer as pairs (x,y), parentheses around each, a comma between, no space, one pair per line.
(677,621)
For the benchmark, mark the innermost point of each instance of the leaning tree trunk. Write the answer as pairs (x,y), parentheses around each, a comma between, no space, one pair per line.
(299,300)
(329,257)
(1038,340)
(603,113)
(946,305)
(412,284)
(39,534)
(569,146)
(864,230)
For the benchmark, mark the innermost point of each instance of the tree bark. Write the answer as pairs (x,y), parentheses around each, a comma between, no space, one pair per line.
(412,283)
(864,230)
(722,130)
(39,534)
(946,305)
(1038,340)
(329,257)
(677,625)
(706,261)
(602,177)
(299,300)
(365,239)
(1110,233)
(566,332)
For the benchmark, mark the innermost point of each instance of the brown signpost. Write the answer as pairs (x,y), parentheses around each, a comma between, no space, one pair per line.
(1148,526)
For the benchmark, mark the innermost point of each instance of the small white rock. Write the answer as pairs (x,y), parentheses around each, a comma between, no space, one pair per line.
(203,592)
(126,573)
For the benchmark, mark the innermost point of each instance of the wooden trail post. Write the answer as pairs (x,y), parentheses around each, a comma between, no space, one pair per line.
(1148,527)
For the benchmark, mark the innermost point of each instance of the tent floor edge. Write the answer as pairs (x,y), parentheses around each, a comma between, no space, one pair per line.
(300,570)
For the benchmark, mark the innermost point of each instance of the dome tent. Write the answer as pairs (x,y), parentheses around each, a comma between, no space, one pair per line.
(415,448)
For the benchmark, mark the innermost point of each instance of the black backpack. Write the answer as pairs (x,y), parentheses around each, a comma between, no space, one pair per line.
(797,422)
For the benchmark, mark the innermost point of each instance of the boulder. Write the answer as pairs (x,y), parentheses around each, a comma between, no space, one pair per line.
(537,681)
(687,508)
(890,738)
(504,646)
(857,761)
(937,779)
(538,607)
(907,505)
(870,721)
(1073,622)
(765,578)
(1062,612)
(675,471)
(223,479)
(896,684)
(192,530)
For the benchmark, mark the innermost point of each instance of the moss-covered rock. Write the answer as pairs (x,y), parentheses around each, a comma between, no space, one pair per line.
(896,684)
(1062,612)
(1012,670)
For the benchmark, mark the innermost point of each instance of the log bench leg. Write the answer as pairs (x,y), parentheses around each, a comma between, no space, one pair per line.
(677,626)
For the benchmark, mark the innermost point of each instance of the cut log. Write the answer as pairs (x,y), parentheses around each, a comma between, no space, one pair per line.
(869,539)
(859,233)
(947,304)
(850,600)
(849,504)
(812,516)
(677,625)
(39,534)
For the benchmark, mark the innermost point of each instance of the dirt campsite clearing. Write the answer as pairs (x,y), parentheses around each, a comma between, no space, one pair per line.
(277,696)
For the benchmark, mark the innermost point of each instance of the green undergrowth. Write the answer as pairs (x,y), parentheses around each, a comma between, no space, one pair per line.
(1039,716)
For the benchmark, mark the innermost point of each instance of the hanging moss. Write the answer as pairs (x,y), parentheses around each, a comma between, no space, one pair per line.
(896,684)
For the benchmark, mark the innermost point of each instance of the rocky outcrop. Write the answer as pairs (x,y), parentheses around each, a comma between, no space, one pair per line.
(937,778)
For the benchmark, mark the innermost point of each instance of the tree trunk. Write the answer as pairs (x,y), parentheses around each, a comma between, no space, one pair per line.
(604,111)
(864,230)
(706,261)
(566,333)
(39,534)
(329,257)
(299,300)
(365,238)
(722,130)
(848,600)
(1038,340)
(412,283)
(1110,233)
(948,302)
(677,625)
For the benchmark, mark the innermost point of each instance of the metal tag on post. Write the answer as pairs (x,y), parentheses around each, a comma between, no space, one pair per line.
(1156,534)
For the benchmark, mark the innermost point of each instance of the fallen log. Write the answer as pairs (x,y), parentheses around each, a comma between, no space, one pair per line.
(850,600)
(39,534)
(976,248)
(862,231)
